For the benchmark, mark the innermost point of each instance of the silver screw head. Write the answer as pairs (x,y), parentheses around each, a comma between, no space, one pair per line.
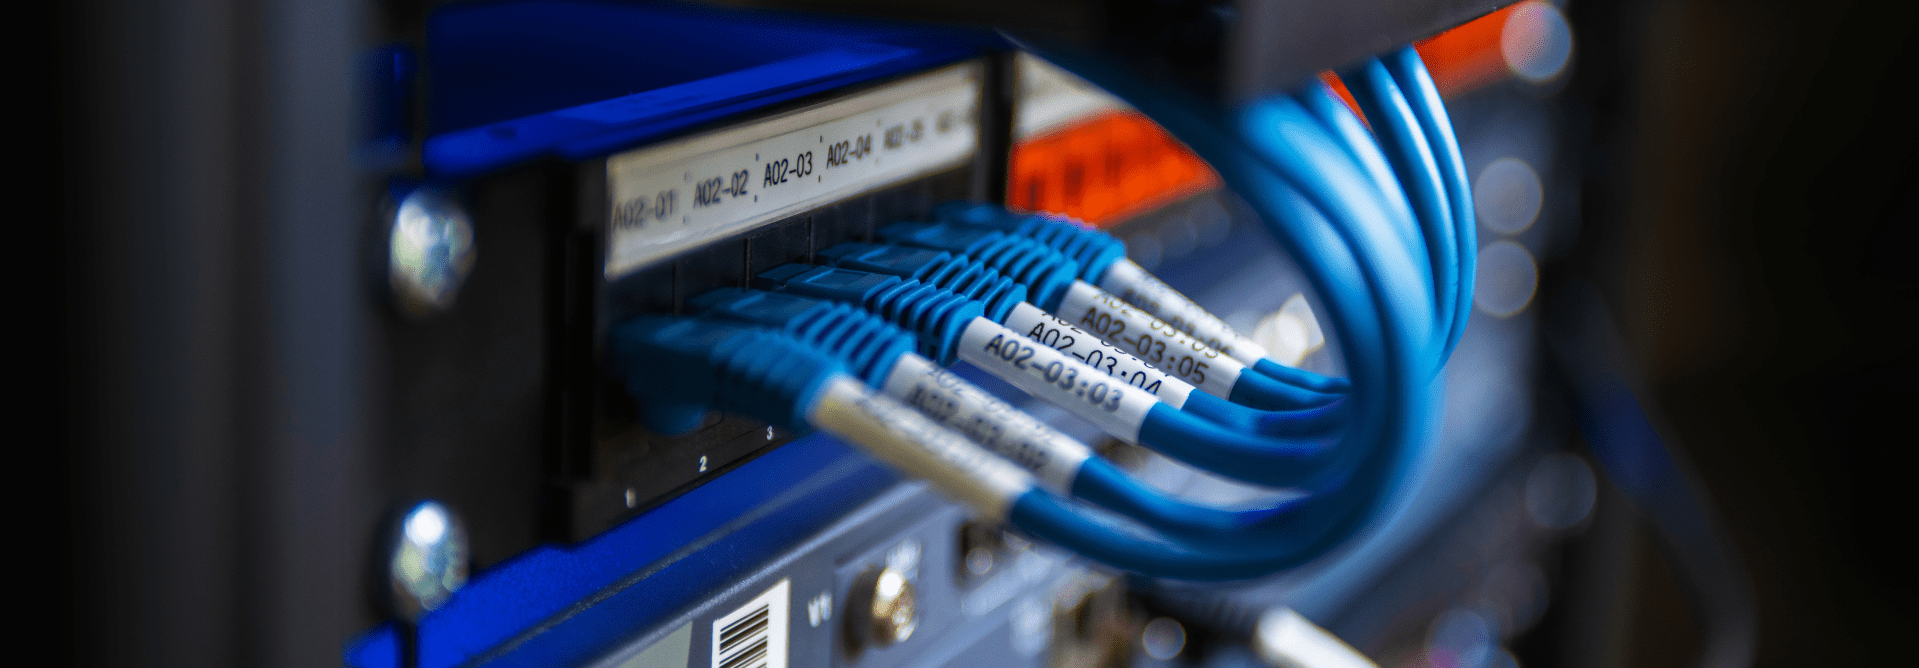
(895,611)
(887,610)
(429,559)
(429,251)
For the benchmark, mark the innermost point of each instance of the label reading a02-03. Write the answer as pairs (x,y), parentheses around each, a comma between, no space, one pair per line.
(671,198)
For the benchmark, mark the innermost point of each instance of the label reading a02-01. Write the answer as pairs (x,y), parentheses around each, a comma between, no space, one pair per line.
(674,197)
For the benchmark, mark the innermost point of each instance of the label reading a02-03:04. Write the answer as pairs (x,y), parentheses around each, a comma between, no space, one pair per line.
(671,198)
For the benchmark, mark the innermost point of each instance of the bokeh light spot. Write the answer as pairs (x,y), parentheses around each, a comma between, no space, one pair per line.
(1505,279)
(1537,42)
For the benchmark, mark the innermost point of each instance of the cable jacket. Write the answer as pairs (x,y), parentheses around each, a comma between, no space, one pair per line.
(1057,333)
(915,445)
(1114,406)
(1136,286)
(1053,457)
(1177,353)
(1423,96)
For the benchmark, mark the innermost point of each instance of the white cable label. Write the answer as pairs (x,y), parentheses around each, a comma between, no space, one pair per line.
(1053,457)
(1153,340)
(1109,359)
(910,442)
(672,197)
(1288,639)
(1137,287)
(1114,406)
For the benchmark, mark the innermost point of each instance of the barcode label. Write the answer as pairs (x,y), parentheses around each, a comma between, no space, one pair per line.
(754,635)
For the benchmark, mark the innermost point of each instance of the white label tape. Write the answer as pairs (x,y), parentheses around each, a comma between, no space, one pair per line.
(1114,406)
(1153,340)
(1135,286)
(672,197)
(1053,457)
(1053,332)
(899,436)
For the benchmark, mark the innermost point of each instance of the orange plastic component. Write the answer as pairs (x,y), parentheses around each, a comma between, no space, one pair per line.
(1104,169)
(1116,164)
(1468,56)
(1345,95)
(1462,59)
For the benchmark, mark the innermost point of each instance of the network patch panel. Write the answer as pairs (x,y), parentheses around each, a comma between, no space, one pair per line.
(731,543)
(585,210)
(775,333)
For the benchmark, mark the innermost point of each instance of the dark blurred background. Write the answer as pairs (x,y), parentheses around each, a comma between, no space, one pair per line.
(1747,210)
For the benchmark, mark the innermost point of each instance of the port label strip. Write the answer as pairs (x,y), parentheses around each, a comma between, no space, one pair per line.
(670,198)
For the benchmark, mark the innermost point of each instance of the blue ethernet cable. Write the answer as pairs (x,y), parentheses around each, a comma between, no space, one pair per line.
(1105,267)
(1351,261)
(778,379)
(1398,133)
(1296,149)
(1418,138)
(1183,363)
(773,377)
(1453,237)
(1346,247)
(1283,451)
(1317,202)
(880,354)
(914,302)
(1358,141)
(1398,91)
(1310,187)
(1046,273)
(1409,71)
(1266,152)
(957,273)
(1118,324)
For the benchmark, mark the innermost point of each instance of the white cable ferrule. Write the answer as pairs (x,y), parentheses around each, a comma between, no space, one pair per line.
(1151,339)
(1137,287)
(1287,639)
(1058,378)
(1053,332)
(1053,457)
(910,442)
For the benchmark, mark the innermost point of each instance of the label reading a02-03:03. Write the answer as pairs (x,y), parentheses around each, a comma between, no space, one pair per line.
(670,198)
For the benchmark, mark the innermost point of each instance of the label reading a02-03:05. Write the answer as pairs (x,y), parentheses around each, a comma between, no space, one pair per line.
(670,198)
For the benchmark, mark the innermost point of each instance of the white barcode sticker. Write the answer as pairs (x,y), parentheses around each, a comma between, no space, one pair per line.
(754,636)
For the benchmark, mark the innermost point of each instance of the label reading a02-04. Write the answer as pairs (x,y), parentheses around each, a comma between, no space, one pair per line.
(671,198)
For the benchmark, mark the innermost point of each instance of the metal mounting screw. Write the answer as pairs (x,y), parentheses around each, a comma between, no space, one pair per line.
(429,559)
(886,609)
(429,251)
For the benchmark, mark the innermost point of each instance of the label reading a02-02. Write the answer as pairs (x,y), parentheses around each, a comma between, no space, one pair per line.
(671,198)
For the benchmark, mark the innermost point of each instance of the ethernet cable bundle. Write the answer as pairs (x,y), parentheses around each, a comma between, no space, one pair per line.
(1379,218)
